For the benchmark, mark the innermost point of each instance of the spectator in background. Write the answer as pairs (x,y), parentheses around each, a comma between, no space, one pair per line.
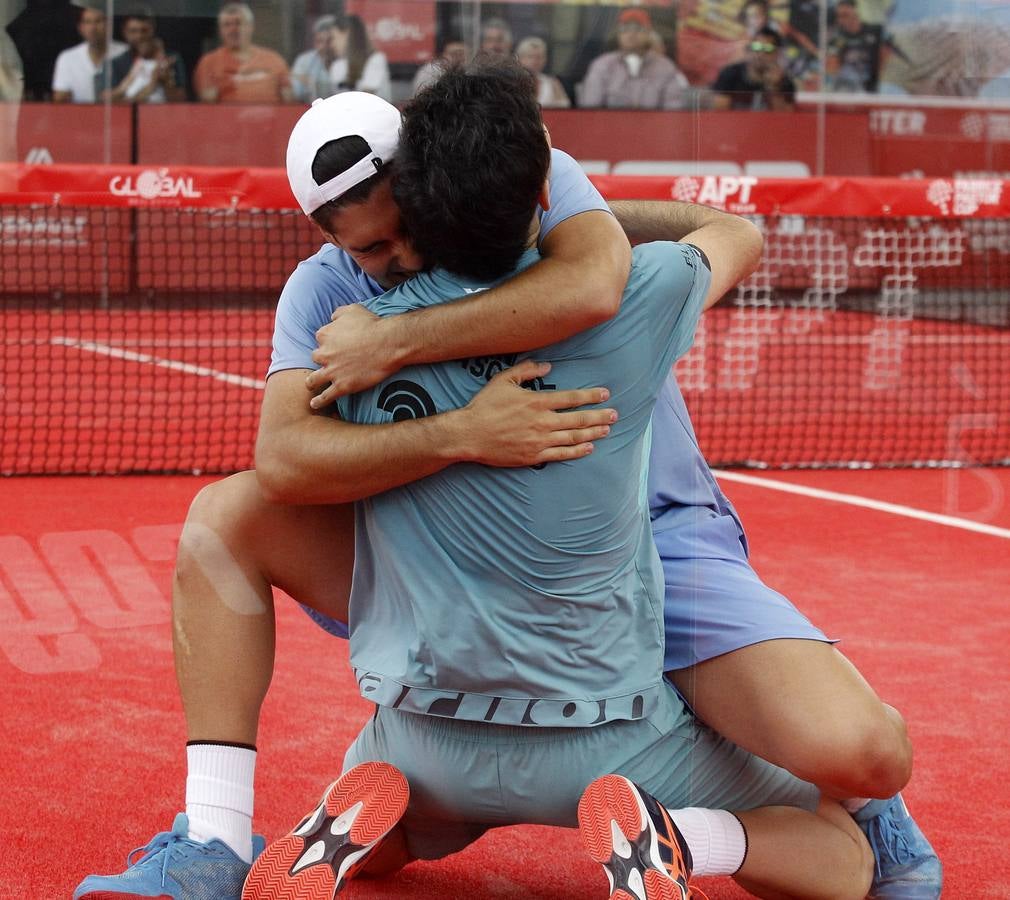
(144,73)
(11,90)
(239,71)
(496,38)
(11,78)
(635,75)
(76,68)
(853,59)
(358,66)
(759,82)
(454,52)
(799,56)
(310,74)
(532,56)
(755,17)
(40,32)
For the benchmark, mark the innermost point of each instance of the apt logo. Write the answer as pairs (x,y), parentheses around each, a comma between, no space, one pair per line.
(724,191)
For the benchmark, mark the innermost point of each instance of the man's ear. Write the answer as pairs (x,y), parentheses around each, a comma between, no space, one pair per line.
(544,197)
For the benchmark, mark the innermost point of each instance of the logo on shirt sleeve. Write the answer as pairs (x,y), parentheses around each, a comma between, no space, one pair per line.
(406,400)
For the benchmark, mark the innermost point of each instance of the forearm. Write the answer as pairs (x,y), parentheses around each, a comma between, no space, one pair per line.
(661,220)
(302,458)
(321,460)
(578,284)
(525,313)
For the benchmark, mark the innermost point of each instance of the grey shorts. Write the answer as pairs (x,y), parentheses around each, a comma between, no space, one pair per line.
(466,777)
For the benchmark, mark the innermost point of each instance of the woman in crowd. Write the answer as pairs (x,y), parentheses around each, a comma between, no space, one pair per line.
(358,66)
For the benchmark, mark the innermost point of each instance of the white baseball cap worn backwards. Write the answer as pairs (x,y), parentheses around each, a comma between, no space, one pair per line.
(353,113)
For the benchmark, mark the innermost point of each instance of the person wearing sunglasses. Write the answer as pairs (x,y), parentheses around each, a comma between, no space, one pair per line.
(759,81)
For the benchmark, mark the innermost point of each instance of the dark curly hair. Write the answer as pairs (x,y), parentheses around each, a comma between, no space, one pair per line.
(473,157)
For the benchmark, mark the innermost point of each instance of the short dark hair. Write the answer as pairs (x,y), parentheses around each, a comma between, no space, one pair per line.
(449,37)
(338,156)
(770,35)
(473,158)
(142,12)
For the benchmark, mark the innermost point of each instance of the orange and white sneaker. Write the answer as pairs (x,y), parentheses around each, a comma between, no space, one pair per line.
(331,844)
(633,837)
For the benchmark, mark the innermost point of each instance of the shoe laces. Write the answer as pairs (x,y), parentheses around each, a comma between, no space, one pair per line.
(887,839)
(163,842)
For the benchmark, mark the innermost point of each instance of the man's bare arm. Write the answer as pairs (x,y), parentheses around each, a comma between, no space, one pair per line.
(307,458)
(577,285)
(732,244)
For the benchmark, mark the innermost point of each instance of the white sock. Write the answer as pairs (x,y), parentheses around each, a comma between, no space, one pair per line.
(716,838)
(219,795)
(853,805)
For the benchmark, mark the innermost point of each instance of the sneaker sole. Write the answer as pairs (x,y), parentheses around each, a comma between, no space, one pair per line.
(117,895)
(610,807)
(373,796)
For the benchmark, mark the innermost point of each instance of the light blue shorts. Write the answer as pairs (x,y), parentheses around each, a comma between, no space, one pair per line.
(466,777)
(715,602)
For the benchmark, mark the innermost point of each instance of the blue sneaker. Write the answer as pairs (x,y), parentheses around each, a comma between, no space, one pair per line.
(173,867)
(907,866)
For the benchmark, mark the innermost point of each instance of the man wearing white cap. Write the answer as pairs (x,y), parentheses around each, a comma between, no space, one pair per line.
(238,542)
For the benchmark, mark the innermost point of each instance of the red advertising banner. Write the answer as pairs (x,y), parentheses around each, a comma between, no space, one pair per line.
(147,187)
(402,29)
(119,229)
(203,187)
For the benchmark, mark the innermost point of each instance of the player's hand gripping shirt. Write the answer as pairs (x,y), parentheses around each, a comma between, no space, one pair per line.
(524,596)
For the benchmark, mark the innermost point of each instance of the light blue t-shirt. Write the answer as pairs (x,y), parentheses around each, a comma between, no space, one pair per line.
(524,596)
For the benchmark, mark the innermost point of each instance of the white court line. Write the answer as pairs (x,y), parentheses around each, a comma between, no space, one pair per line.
(909,512)
(175,364)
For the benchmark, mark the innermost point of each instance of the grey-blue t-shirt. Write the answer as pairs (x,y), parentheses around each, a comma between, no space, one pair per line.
(528,596)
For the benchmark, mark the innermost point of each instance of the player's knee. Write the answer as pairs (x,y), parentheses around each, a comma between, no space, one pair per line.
(851,875)
(883,754)
(863,865)
(215,520)
(869,758)
(856,877)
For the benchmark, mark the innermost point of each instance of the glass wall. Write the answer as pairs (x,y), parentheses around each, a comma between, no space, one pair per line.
(764,87)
